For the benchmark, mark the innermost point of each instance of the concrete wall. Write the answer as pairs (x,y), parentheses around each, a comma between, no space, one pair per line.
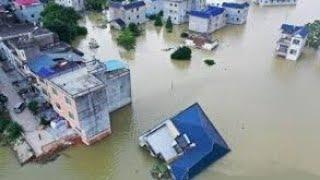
(153,6)
(197,24)
(135,15)
(177,10)
(29,13)
(236,16)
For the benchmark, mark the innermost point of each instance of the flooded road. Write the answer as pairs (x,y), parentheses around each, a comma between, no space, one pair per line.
(266,108)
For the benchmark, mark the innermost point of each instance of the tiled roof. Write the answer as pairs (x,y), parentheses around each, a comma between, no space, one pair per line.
(295,30)
(235,5)
(209,144)
(210,11)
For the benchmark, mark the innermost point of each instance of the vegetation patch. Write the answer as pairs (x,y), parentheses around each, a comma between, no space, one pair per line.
(34,107)
(314,34)
(160,170)
(10,131)
(63,21)
(96,5)
(158,21)
(184,35)
(169,25)
(182,53)
(210,62)
(127,36)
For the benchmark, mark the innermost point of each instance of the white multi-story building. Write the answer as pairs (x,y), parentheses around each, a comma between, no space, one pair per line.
(153,7)
(178,10)
(292,41)
(122,14)
(77,5)
(236,12)
(208,20)
(276,2)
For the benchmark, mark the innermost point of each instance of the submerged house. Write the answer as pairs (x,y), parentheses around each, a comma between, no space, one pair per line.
(124,13)
(83,92)
(153,7)
(292,41)
(236,12)
(208,20)
(28,10)
(178,10)
(187,142)
(276,2)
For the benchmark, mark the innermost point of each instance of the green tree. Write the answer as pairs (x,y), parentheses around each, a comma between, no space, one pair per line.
(158,21)
(96,5)
(134,29)
(314,34)
(34,107)
(182,53)
(126,39)
(63,21)
(169,25)
(3,125)
(13,131)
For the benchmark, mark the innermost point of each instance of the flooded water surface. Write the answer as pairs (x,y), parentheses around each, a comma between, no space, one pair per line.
(266,108)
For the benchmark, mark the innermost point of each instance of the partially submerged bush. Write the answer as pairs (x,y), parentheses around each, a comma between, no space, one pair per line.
(126,39)
(182,53)
(160,170)
(184,35)
(158,21)
(210,62)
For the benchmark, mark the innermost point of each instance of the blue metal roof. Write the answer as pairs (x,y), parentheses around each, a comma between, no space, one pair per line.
(135,4)
(113,65)
(210,146)
(235,5)
(46,65)
(295,30)
(210,11)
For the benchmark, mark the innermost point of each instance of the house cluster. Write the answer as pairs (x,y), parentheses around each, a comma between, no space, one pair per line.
(82,92)
(292,41)
(275,2)
(201,18)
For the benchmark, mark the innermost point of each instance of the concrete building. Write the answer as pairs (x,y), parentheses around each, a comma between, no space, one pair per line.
(77,5)
(28,10)
(153,7)
(83,92)
(188,143)
(236,13)
(178,10)
(276,2)
(122,14)
(292,41)
(208,20)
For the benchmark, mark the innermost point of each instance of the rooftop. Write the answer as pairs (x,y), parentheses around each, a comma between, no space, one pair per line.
(211,11)
(77,82)
(295,30)
(128,6)
(235,5)
(113,65)
(26,2)
(48,64)
(188,142)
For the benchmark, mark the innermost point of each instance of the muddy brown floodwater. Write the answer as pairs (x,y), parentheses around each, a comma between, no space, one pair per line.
(266,108)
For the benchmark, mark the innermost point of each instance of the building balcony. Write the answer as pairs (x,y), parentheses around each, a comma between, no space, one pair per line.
(282,51)
(284,41)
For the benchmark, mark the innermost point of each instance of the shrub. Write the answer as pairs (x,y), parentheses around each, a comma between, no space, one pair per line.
(134,29)
(13,131)
(34,107)
(4,124)
(182,53)
(314,34)
(126,39)
(210,62)
(158,21)
(169,25)
(184,35)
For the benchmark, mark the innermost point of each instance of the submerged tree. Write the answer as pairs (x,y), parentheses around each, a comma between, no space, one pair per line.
(158,21)
(126,39)
(314,34)
(182,53)
(169,25)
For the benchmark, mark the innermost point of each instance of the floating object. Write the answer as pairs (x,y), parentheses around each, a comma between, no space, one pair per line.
(201,42)
(93,44)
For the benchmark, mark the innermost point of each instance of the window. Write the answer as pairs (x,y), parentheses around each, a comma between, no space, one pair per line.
(54,91)
(296,41)
(58,106)
(137,16)
(293,51)
(70,115)
(68,101)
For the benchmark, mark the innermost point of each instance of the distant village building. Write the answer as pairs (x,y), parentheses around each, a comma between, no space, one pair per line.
(28,10)
(122,14)
(236,12)
(83,92)
(4,2)
(292,41)
(276,2)
(208,20)
(153,7)
(187,142)
(77,5)
(178,10)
